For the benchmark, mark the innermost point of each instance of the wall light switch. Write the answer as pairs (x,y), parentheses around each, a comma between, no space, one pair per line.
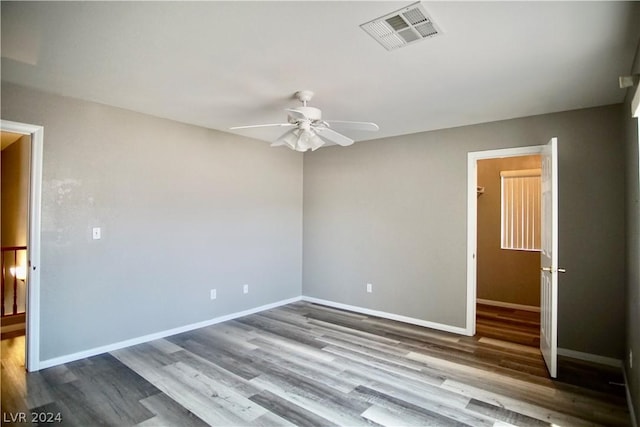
(213,294)
(97,233)
(245,289)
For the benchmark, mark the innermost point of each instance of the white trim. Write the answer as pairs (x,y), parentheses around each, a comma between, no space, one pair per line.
(588,357)
(472,239)
(472,219)
(386,315)
(507,152)
(632,413)
(635,112)
(157,335)
(35,202)
(508,305)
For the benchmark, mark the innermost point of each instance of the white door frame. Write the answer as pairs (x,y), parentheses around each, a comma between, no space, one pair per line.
(32,344)
(472,219)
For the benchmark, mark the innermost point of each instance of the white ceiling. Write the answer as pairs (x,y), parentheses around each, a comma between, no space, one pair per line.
(222,64)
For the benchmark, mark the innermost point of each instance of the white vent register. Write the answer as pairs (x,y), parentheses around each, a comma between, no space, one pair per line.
(402,27)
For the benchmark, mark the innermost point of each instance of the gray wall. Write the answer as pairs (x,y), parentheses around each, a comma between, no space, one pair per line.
(393,212)
(182,209)
(633,255)
(186,209)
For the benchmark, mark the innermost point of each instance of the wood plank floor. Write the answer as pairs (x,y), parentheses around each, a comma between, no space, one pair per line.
(508,324)
(309,365)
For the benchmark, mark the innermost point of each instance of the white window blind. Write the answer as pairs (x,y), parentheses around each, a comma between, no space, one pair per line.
(520,216)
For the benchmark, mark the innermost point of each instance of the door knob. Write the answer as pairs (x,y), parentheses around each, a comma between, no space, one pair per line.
(550,270)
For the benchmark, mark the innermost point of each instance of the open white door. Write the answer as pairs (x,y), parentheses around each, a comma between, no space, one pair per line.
(549,258)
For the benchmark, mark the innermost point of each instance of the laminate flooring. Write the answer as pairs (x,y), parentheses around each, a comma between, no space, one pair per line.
(508,324)
(309,365)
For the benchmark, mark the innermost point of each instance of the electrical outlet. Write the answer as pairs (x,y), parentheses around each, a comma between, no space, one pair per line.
(213,294)
(245,289)
(369,287)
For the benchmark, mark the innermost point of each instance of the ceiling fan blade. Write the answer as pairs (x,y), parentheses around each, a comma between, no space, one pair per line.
(262,126)
(333,136)
(354,125)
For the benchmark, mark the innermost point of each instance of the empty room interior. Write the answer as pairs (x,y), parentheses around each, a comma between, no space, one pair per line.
(317,213)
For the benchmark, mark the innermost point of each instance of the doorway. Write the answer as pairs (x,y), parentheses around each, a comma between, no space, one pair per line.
(549,243)
(26,266)
(473,187)
(508,249)
(14,181)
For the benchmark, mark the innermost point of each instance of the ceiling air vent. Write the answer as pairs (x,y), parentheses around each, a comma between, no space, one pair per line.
(402,27)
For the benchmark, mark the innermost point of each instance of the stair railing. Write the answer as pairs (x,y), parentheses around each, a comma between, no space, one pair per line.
(14,270)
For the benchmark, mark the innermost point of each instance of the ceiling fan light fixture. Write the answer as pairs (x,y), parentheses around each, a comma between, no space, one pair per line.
(303,141)
(308,140)
(315,142)
(289,139)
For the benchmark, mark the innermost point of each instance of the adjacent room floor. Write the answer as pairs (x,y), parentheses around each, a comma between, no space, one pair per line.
(308,365)
(508,324)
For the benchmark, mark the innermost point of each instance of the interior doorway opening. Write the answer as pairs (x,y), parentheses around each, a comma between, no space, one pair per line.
(14,182)
(21,262)
(473,189)
(508,249)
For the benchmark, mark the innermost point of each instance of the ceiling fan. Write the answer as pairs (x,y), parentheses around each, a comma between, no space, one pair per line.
(309,131)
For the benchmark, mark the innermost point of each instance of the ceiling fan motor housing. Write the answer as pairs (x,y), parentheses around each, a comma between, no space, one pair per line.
(310,113)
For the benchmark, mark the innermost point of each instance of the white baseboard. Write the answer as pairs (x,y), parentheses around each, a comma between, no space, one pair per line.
(146,338)
(508,305)
(391,316)
(588,357)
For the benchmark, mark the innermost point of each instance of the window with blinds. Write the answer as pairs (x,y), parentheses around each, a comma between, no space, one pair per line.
(520,218)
